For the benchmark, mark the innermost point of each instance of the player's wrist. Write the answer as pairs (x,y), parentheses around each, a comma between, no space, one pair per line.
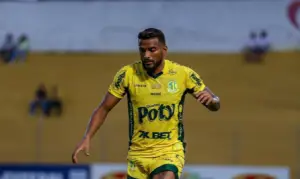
(87,136)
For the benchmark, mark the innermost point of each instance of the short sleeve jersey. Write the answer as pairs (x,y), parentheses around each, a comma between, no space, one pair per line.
(155,103)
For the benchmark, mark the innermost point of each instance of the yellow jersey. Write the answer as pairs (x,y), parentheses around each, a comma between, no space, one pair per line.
(155,105)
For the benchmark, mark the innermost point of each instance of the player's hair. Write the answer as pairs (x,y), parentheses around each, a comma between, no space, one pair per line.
(150,33)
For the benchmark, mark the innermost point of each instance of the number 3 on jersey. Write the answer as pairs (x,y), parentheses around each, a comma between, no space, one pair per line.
(161,112)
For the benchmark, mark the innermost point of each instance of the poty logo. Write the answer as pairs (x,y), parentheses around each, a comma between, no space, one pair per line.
(292,10)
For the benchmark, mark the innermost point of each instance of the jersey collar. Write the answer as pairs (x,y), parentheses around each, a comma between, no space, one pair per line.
(164,71)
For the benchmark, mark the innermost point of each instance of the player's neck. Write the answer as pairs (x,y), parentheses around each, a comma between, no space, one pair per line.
(159,69)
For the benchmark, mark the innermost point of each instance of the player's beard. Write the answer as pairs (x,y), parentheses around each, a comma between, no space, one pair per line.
(151,68)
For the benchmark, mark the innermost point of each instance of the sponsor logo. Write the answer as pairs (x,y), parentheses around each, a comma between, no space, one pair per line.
(156,86)
(119,79)
(32,174)
(172,72)
(115,175)
(77,174)
(43,172)
(140,85)
(155,94)
(160,111)
(254,176)
(196,79)
(293,10)
(155,135)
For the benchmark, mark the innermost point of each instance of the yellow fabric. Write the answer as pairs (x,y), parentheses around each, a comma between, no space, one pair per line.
(155,105)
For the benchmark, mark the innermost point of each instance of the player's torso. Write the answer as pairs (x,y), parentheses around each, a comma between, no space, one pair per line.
(155,108)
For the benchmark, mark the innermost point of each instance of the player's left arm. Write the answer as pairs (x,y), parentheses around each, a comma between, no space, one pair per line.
(200,91)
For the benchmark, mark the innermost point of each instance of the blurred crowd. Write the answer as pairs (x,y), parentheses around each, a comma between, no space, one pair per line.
(46,103)
(257,46)
(14,50)
(17,50)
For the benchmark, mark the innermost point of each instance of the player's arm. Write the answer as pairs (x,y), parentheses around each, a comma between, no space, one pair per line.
(116,92)
(100,113)
(200,91)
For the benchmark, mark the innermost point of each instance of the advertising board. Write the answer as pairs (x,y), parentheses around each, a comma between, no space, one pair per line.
(33,171)
(118,171)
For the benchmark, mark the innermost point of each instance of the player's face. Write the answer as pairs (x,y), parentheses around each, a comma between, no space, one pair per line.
(152,53)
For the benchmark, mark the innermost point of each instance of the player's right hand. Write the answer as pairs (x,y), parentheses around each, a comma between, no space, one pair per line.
(84,145)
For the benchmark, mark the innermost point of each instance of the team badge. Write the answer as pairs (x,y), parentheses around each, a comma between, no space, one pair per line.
(172,87)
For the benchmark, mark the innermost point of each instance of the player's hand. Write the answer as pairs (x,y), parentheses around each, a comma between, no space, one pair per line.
(205,97)
(84,145)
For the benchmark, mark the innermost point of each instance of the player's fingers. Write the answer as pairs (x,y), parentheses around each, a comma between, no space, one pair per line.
(198,94)
(209,100)
(204,99)
(74,157)
(200,97)
(87,151)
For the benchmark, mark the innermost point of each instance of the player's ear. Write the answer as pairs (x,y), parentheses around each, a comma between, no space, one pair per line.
(165,50)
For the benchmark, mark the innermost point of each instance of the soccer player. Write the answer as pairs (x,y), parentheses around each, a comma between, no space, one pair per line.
(155,89)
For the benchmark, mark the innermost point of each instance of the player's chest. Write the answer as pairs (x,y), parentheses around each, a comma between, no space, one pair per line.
(157,89)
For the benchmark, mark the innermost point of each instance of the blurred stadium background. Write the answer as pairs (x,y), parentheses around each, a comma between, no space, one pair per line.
(79,45)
